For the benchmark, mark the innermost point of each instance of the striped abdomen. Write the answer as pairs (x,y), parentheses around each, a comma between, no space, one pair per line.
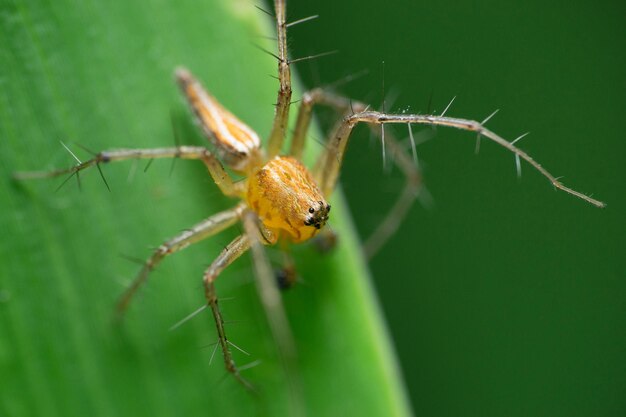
(236,144)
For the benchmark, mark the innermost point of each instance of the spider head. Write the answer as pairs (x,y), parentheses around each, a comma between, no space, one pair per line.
(317,214)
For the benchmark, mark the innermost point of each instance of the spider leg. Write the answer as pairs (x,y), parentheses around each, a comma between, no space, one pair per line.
(403,203)
(286,276)
(325,240)
(233,251)
(315,97)
(254,238)
(328,165)
(206,228)
(281,117)
(221,178)
(339,140)
(274,309)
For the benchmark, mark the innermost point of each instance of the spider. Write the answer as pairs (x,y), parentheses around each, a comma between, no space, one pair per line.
(281,200)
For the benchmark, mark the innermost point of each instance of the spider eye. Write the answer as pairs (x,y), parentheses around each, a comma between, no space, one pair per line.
(311,210)
(328,207)
(308,222)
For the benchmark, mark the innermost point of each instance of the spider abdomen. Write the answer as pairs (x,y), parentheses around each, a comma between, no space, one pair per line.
(236,144)
(285,197)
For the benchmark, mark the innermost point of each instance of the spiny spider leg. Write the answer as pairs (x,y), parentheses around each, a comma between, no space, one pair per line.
(274,309)
(221,178)
(315,97)
(281,117)
(233,251)
(340,139)
(346,107)
(206,228)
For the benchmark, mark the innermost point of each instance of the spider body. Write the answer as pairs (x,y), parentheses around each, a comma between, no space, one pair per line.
(281,191)
(286,198)
(236,144)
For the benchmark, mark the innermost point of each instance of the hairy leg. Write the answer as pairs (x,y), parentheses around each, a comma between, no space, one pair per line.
(221,178)
(233,251)
(330,162)
(274,309)
(339,141)
(206,228)
(281,117)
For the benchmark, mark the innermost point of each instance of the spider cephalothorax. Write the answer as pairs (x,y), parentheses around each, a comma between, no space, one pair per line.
(285,197)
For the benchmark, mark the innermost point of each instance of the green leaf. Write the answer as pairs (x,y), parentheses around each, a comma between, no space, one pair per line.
(99,74)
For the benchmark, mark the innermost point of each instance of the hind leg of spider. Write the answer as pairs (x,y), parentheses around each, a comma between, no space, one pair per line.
(233,251)
(327,167)
(200,231)
(219,175)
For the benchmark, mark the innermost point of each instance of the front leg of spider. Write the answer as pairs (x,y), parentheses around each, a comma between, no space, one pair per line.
(329,164)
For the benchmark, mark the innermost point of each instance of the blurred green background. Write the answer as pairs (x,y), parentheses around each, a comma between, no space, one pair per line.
(506,297)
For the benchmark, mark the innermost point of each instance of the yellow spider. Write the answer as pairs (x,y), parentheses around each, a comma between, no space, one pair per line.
(280,200)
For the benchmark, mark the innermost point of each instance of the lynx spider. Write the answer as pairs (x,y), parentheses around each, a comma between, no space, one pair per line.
(281,199)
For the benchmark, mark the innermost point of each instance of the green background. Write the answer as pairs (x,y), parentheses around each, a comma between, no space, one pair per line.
(506,298)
